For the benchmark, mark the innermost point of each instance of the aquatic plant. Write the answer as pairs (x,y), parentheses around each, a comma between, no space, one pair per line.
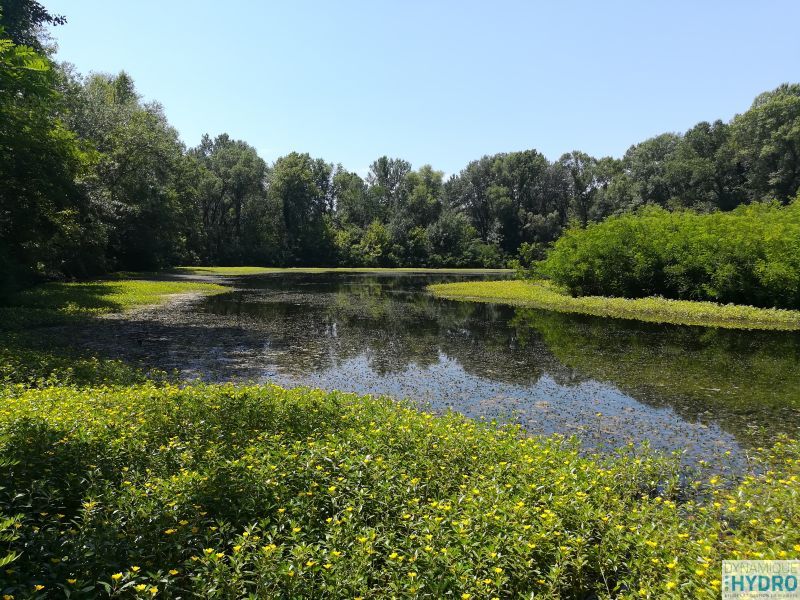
(235,271)
(545,295)
(225,491)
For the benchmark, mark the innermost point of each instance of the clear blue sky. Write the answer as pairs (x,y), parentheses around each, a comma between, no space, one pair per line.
(439,82)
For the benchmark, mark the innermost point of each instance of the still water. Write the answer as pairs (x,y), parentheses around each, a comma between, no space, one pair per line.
(709,393)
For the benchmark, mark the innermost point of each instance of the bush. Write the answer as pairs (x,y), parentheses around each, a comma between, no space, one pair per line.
(231,492)
(747,256)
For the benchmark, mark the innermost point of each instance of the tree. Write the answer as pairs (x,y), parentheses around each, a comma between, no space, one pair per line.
(372,249)
(450,238)
(422,200)
(294,185)
(24,22)
(386,177)
(133,180)
(231,200)
(646,165)
(581,174)
(46,225)
(767,138)
(353,204)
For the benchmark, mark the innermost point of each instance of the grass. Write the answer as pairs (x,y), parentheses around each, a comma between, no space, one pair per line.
(58,302)
(232,492)
(232,271)
(542,294)
(30,357)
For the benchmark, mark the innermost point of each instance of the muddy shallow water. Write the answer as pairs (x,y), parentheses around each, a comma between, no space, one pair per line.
(709,393)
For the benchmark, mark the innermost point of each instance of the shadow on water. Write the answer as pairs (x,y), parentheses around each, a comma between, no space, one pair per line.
(702,391)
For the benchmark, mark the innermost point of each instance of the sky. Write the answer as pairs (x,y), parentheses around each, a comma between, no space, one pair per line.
(438,82)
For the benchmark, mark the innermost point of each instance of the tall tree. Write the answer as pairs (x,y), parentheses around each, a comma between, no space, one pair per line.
(230,197)
(133,182)
(386,177)
(646,164)
(45,220)
(24,21)
(580,170)
(767,138)
(294,185)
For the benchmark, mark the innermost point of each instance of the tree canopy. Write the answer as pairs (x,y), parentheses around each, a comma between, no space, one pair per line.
(95,178)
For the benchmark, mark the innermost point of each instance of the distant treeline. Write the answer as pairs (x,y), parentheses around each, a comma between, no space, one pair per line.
(94,179)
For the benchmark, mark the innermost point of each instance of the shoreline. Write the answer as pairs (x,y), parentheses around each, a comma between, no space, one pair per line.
(544,295)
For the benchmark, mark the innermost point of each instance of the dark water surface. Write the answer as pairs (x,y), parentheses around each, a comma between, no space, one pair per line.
(703,391)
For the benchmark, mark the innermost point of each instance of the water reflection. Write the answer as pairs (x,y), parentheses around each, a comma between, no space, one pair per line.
(610,382)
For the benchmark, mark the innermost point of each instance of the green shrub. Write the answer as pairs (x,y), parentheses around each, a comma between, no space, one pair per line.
(747,256)
(231,492)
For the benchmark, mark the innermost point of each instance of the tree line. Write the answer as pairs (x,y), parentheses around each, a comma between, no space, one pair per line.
(95,179)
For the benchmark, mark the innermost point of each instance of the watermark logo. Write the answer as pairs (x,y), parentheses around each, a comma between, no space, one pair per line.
(767,579)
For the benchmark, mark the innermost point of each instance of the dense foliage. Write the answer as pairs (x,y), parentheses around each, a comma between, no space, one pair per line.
(96,179)
(750,255)
(222,492)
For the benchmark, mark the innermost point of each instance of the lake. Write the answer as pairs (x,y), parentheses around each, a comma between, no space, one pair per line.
(710,393)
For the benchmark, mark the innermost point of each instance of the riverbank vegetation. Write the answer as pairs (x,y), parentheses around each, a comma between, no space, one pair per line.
(95,179)
(235,271)
(58,302)
(750,255)
(545,295)
(35,352)
(121,482)
(226,491)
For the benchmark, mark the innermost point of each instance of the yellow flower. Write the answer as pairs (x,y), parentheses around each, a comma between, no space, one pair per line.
(154,590)
(498,570)
(466,596)
(72,581)
(173,571)
(116,576)
(140,588)
(135,569)
(38,588)
(671,585)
